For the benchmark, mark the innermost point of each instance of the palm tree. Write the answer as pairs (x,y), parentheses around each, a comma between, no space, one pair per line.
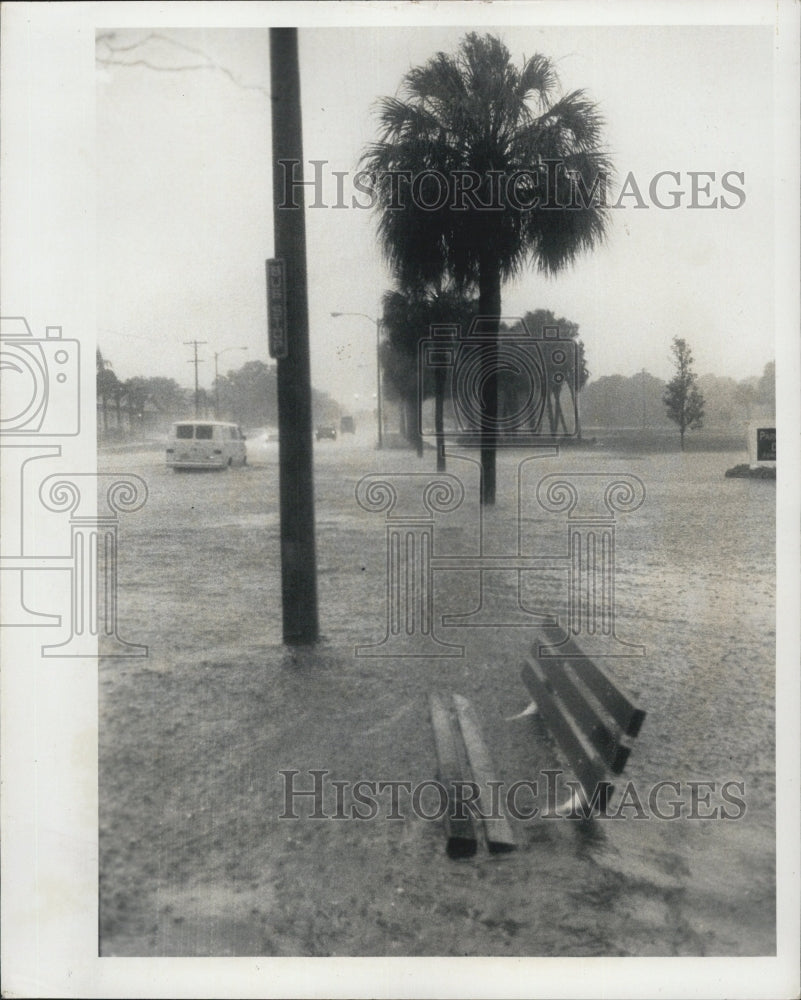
(474,121)
(407,318)
(107,384)
(404,325)
(536,322)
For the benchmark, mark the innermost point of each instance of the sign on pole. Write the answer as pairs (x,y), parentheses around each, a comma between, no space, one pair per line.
(276,307)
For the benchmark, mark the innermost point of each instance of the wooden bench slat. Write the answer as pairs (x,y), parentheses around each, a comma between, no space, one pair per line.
(615,699)
(585,763)
(567,684)
(496,828)
(460,830)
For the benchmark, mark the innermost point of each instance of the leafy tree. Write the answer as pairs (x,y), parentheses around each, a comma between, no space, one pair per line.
(136,392)
(250,394)
(475,119)
(683,400)
(165,394)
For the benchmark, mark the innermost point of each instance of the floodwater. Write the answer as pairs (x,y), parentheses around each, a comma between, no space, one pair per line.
(196,858)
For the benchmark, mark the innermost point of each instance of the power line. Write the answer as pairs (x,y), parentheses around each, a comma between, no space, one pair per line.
(210,63)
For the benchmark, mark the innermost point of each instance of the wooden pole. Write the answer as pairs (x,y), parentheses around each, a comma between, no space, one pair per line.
(195,362)
(296,481)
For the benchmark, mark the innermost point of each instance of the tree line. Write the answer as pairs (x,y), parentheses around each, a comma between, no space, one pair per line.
(248,396)
(637,401)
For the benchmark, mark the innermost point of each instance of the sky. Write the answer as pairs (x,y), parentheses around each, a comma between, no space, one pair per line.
(184,186)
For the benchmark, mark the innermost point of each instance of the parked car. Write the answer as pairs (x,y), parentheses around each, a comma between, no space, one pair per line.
(205,444)
(326,431)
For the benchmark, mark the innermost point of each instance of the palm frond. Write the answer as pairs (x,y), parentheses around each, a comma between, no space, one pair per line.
(476,111)
(537,77)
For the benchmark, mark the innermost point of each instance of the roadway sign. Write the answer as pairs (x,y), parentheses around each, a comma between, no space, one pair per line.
(276,308)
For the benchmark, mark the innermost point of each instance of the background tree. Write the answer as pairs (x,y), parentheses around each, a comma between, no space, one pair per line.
(766,388)
(407,319)
(404,324)
(535,322)
(166,395)
(249,395)
(107,384)
(683,400)
(136,393)
(474,114)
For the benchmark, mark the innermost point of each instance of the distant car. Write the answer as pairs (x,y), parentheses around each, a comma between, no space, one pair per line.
(205,444)
(326,431)
(346,425)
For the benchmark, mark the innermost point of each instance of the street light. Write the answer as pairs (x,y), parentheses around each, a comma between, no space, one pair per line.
(217,378)
(377,368)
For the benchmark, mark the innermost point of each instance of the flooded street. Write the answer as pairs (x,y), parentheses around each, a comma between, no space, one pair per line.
(195,857)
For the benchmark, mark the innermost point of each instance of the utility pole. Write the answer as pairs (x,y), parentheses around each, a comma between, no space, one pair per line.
(296,479)
(195,362)
(643,396)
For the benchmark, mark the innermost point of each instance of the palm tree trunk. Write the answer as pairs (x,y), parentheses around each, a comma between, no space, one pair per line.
(489,307)
(551,410)
(439,431)
(560,414)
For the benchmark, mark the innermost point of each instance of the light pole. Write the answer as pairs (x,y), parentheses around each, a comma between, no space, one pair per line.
(217,378)
(377,368)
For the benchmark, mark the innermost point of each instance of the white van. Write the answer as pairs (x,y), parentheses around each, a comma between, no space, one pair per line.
(205,444)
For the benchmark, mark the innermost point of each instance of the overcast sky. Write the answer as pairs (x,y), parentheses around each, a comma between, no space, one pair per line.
(184,215)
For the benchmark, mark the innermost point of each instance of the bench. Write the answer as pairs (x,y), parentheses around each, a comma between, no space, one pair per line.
(590,715)
(466,773)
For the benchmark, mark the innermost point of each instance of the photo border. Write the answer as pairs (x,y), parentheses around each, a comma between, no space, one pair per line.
(50,722)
